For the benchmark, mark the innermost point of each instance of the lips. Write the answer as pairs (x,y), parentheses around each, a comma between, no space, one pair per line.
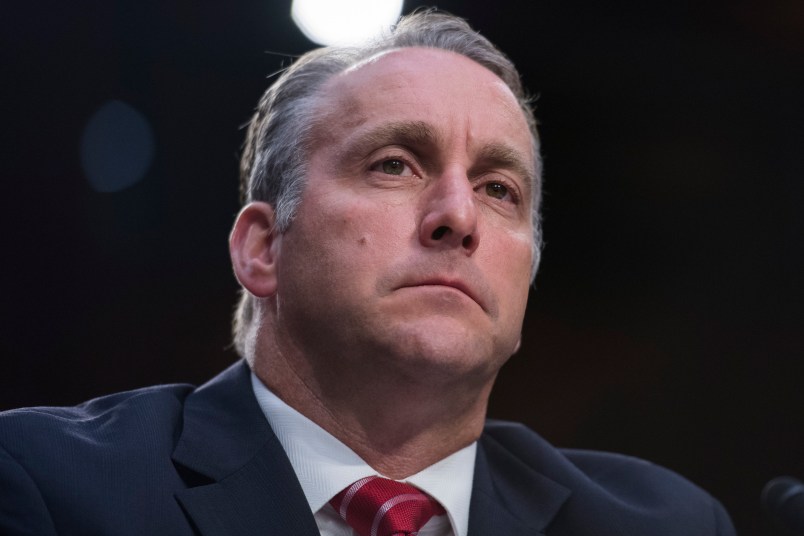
(456,284)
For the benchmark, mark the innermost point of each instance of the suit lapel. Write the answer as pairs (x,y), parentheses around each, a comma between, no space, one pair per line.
(248,487)
(508,496)
(241,482)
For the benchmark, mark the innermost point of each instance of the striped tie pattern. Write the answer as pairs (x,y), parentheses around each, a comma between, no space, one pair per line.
(375,506)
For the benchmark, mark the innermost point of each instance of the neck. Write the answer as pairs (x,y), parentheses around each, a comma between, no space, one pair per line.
(398,424)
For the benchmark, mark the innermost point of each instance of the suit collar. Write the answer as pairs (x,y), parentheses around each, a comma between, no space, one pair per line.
(250,487)
(510,497)
(226,441)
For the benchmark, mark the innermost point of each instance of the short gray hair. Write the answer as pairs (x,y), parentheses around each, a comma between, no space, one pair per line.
(278,140)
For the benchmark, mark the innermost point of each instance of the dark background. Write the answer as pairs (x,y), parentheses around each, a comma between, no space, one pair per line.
(667,318)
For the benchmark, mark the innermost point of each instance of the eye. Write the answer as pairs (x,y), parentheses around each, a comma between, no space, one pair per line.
(497,190)
(394,166)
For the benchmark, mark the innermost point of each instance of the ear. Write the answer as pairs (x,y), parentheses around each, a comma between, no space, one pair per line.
(254,248)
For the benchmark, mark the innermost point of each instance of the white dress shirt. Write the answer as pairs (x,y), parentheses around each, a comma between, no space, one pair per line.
(325,466)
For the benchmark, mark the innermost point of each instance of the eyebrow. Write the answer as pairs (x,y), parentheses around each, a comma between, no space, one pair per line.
(421,134)
(407,133)
(503,156)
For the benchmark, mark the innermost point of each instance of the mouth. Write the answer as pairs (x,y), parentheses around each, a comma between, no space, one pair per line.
(455,284)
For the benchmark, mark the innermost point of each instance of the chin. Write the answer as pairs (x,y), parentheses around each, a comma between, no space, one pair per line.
(444,351)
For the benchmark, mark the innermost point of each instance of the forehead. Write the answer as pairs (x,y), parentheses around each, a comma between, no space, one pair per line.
(458,98)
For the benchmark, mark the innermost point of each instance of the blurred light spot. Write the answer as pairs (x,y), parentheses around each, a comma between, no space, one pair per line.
(117,147)
(344,22)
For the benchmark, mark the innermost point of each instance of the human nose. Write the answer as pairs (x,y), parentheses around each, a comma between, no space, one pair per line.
(450,214)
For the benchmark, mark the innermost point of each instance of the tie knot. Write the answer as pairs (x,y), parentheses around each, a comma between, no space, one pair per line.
(375,506)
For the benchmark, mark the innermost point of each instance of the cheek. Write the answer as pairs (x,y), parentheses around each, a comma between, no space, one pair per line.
(355,237)
(373,227)
(511,273)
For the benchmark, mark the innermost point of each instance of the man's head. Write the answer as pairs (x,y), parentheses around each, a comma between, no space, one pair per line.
(301,113)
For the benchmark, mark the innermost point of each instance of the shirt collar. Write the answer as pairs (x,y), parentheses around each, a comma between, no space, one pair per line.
(325,466)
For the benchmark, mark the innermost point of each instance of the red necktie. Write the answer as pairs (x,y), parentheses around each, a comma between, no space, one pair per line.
(375,506)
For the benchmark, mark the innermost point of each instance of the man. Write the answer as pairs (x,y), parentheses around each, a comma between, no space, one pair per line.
(388,240)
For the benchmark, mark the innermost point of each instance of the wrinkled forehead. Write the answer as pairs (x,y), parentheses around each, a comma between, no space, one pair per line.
(414,65)
(425,81)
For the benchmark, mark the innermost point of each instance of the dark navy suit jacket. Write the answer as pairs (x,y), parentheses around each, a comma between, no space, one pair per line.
(176,460)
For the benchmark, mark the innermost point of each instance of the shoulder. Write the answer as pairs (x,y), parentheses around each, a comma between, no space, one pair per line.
(604,469)
(142,413)
(55,461)
(621,491)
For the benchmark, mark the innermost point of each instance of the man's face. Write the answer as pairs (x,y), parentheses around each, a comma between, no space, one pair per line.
(412,245)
